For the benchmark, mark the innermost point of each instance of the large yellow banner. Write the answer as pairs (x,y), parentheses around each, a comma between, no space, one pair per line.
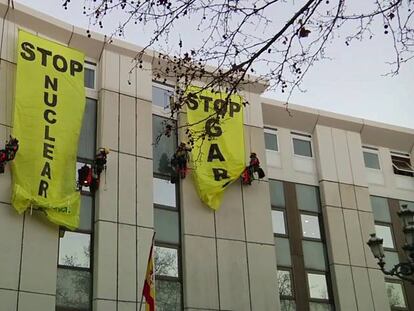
(49,106)
(218,156)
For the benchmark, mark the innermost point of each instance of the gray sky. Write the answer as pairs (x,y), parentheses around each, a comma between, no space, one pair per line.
(351,83)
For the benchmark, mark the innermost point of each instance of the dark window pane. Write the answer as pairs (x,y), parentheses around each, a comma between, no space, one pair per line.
(314,255)
(87,139)
(287,305)
(380,209)
(395,294)
(314,306)
(161,97)
(284,282)
(308,198)
(85,222)
(271,141)
(302,147)
(310,226)
(384,232)
(391,259)
(317,286)
(74,249)
(166,261)
(277,196)
(89,78)
(371,160)
(168,295)
(164,192)
(166,226)
(163,146)
(278,222)
(283,252)
(73,289)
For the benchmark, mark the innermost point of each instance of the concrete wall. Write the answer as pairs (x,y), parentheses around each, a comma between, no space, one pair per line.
(357,282)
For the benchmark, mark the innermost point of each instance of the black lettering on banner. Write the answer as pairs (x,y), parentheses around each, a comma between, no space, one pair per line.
(63,61)
(45,54)
(48,151)
(28,48)
(46,170)
(47,133)
(75,67)
(215,153)
(192,102)
(220,173)
(49,83)
(207,101)
(234,107)
(220,106)
(213,129)
(46,99)
(43,188)
(46,116)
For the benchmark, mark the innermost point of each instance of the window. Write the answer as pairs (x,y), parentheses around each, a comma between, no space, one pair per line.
(271,142)
(283,252)
(163,146)
(87,138)
(371,158)
(162,96)
(278,222)
(74,249)
(380,209)
(317,286)
(298,234)
(284,282)
(74,271)
(166,213)
(277,196)
(384,232)
(307,198)
(395,294)
(164,192)
(166,225)
(166,261)
(402,165)
(314,255)
(89,77)
(302,145)
(310,226)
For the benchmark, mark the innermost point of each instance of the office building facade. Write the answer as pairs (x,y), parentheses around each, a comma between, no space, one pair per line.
(295,240)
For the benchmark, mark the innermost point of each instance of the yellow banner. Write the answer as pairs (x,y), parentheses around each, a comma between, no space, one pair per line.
(218,156)
(49,106)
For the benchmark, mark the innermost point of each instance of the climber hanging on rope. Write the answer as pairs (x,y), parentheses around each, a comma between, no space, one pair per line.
(179,162)
(248,174)
(8,153)
(90,176)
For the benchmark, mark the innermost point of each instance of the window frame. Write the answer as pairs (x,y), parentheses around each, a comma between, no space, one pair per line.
(272,131)
(292,283)
(328,286)
(397,281)
(91,66)
(372,150)
(318,216)
(303,137)
(283,235)
(390,227)
(156,109)
(402,157)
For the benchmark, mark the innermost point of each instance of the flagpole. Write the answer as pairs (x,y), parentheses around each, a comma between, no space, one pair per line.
(151,250)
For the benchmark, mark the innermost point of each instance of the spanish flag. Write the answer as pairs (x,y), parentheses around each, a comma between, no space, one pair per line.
(149,285)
